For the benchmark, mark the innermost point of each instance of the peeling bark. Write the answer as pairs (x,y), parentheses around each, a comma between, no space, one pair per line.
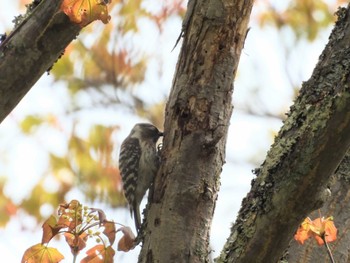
(293,179)
(33,47)
(198,112)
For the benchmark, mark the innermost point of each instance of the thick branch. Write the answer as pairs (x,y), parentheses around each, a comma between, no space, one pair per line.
(197,119)
(31,50)
(292,181)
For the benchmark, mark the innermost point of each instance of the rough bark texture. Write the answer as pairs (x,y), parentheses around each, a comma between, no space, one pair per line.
(31,50)
(197,118)
(337,206)
(293,179)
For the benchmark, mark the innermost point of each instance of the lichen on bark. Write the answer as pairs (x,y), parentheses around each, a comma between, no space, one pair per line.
(296,172)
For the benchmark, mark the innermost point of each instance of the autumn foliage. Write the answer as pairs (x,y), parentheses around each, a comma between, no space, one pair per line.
(79,223)
(88,163)
(321,229)
(83,12)
(109,71)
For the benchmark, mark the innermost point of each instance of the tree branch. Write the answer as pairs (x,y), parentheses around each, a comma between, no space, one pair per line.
(291,182)
(33,47)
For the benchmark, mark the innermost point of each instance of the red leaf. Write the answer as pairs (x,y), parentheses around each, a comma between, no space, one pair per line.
(109,231)
(101,214)
(126,243)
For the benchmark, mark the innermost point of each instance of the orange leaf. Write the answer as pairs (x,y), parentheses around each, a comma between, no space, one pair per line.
(303,232)
(83,12)
(318,229)
(76,243)
(10,207)
(324,228)
(50,229)
(330,230)
(126,243)
(41,254)
(99,254)
(109,231)
(70,215)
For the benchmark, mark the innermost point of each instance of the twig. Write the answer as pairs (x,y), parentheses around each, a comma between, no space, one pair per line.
(328,248)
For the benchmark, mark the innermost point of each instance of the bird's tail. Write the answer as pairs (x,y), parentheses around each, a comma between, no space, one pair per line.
(137,218)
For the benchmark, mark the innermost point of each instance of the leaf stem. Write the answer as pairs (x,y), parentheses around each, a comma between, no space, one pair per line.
(328,248)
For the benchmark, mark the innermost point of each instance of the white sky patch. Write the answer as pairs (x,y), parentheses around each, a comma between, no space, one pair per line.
(28,165)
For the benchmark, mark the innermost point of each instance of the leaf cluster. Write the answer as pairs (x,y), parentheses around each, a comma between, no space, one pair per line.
(104,72)
(78,223)
(323,230)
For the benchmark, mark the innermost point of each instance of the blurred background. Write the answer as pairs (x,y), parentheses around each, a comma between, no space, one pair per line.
(62,141)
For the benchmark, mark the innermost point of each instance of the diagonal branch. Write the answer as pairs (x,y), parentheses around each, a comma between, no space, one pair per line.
(33,47)
(293,179)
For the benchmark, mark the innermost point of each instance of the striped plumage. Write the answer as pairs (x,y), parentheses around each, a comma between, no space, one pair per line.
(138,164)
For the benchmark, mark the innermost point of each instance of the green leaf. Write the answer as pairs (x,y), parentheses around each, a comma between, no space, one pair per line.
(30,123)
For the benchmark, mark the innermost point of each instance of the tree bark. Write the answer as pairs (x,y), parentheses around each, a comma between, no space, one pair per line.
(198,112)
(293,179)
(337,206)
(32,48)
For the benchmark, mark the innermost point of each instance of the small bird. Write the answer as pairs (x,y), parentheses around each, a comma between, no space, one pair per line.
(138,163)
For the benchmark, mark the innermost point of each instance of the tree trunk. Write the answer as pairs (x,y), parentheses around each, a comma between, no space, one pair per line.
(198,112)
(30,50)
(293,180)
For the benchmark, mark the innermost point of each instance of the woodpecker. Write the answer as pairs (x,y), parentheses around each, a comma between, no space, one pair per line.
(138,164)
